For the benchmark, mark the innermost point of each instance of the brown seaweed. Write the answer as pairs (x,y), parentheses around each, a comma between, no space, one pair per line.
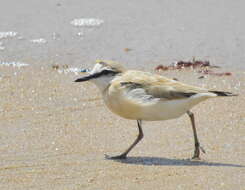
(186,64)
(210,72)
(204,67)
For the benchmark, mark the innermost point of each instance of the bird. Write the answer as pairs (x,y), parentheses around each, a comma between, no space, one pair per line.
(144,96)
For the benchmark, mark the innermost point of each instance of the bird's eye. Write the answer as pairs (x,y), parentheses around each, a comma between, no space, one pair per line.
(107,72)
(102,63)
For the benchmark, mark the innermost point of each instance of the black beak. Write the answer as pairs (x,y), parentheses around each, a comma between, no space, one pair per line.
(96,75)
(86,78)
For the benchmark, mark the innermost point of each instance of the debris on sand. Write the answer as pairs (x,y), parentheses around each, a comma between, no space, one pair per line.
(186,64)
(201,77)
(65,69)
(203,66)
(162,68)
(56,66)
(13,64)
(210,72)
(127,49)
(192,64)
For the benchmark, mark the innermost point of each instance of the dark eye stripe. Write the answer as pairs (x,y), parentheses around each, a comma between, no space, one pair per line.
(107,72)
(104,72)
(96,75)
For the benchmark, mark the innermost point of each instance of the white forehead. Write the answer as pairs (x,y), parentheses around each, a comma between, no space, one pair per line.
(97,67)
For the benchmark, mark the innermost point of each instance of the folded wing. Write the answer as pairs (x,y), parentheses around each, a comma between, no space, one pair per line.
(156,86)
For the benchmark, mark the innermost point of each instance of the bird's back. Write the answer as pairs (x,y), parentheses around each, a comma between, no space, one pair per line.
(156,85)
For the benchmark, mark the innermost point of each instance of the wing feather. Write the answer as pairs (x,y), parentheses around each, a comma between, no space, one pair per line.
(155,86)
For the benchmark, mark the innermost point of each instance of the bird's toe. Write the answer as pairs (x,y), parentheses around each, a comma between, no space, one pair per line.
(119,157)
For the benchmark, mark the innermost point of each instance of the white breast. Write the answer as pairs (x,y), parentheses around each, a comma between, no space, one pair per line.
(153,110)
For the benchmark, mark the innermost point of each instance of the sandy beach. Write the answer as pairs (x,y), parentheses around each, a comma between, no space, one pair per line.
(54,133)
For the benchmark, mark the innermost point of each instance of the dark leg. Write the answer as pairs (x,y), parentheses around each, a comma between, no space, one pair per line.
(140,136)
(197,144)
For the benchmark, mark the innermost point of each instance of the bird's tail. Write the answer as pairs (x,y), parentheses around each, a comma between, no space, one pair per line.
(220,93)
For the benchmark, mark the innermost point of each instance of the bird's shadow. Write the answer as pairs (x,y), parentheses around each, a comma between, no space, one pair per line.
(157,161)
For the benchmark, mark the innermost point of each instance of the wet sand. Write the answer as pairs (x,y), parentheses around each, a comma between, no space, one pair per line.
(155,31)
(54,134)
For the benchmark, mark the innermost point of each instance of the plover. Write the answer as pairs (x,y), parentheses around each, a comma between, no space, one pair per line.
(143,96)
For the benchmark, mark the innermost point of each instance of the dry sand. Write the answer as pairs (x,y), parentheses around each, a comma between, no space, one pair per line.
(54,134)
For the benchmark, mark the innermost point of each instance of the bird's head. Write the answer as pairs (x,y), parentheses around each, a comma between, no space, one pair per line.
(102,73)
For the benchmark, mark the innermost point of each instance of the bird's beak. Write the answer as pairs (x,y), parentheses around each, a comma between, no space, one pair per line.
(86,78)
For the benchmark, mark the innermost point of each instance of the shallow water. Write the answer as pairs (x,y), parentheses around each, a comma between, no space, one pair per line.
(78,32)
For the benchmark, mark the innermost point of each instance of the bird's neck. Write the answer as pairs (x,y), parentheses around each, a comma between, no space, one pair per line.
(103,82)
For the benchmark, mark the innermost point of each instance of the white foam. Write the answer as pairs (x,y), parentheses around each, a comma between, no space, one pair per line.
(55,36)
(9,34)
(20,38)
(39,41)
(13,64)
(1,46)
(80,34)
(69,70)
(87,22)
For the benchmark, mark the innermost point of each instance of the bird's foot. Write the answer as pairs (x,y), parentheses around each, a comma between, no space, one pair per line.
(202,149)
(119,157)
(196,155)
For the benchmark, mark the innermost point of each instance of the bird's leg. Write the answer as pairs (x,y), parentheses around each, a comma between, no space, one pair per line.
(197,144)
(140,136)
